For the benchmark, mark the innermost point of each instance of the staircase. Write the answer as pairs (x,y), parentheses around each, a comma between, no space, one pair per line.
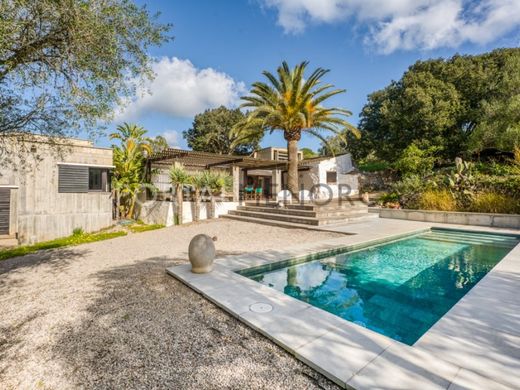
(302,215)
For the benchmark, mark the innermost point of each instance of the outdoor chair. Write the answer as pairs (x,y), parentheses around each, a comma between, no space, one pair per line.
(248,192)
(258,192)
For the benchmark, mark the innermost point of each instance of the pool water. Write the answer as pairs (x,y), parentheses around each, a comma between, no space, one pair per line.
(399,289)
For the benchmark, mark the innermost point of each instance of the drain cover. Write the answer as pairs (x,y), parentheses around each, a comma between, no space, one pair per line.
(260,307)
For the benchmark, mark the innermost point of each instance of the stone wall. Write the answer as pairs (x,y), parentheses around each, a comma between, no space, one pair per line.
(511,221)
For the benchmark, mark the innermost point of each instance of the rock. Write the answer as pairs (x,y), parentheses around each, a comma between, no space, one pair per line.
(201,253)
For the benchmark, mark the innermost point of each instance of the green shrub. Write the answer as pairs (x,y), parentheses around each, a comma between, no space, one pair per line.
(441,200)
(78,231)
(416,161)
(373,166)
(492,202)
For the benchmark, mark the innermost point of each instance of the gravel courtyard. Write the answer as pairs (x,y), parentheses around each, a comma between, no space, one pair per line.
(106,315)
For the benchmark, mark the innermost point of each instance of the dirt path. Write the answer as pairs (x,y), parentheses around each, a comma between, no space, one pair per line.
(105,315)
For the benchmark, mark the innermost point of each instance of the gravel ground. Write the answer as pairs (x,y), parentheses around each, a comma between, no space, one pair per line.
(105,315)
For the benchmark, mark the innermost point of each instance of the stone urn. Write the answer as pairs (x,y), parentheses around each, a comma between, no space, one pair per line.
(201,253)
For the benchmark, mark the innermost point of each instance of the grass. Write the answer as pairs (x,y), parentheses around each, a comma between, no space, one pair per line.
(76,239)
(144,228)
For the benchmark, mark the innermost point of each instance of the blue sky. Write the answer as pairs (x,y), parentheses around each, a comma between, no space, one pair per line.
(221,47)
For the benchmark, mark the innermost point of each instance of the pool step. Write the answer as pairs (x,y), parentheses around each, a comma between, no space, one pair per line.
(471,240)
(476,236)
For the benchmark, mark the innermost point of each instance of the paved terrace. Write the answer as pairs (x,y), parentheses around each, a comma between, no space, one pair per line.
(475,345)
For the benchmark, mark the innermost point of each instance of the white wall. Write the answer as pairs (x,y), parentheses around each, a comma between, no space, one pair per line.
(317,174)
(163,212)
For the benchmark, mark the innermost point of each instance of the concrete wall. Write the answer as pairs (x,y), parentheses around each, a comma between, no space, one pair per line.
(163,212)
(41,212)
(511,221)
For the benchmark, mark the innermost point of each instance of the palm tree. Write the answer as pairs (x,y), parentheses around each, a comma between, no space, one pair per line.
(216,182)
(179,178)
(198,182)
(292,103)
(130,164)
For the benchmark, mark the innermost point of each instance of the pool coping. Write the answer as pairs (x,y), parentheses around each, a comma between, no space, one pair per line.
(458,350)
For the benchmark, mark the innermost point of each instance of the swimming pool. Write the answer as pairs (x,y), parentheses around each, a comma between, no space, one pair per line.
(399,288)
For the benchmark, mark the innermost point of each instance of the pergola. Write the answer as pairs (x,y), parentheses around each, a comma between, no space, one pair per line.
(204,160)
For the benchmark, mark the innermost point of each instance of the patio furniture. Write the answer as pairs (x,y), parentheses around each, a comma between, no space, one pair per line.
(258,192)
(248,192)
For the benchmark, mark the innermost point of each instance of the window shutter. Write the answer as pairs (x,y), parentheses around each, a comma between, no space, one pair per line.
(72,178)
(5,200)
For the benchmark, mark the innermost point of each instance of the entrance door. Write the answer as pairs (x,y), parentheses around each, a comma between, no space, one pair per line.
(5,207)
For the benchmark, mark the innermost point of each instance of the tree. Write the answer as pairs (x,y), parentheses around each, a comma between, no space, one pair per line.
(308,153)
(158,144)
(216,182)
(65,65)
(214,131)
(292,103)
(179,178)
(458,105)
(129,177)
(198,182)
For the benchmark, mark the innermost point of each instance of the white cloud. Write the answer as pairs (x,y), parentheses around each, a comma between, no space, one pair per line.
(407,24)
(179,89)
(172,137)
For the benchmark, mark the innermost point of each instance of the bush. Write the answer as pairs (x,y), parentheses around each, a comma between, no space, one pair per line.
(441,200)
(78,231)
(492,202)
(416,161)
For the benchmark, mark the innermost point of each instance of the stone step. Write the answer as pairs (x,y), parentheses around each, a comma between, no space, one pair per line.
(317,213)
(292,225)
(276,217)
(269,222)
(303,220)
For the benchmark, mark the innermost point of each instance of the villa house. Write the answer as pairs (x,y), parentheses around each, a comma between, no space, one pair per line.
(265,172)
(49,186)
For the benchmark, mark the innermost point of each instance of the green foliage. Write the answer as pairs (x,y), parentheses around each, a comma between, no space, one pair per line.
(458,105)
(409,189)
(372,165)
(292,103)
(75,239)
(65,65)
(179,176)
(441,200)
(492,202)
(78,231)
(145,228)
(214,131)
(129,178)
(308,153)
(461,183)
(416,161)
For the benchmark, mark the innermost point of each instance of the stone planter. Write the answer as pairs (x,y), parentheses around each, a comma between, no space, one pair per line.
(201,253)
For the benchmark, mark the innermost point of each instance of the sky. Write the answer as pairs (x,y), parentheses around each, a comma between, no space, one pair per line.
(221,47)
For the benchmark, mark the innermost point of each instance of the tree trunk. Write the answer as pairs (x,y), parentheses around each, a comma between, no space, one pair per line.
(212,208)
(132,207)
(196,217)
(118,205)
(292,173)
(180,199)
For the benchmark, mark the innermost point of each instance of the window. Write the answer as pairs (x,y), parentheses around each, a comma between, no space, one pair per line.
(94,179)
(331,177)
(81,178)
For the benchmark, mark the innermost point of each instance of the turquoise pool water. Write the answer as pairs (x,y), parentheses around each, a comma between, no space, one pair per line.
(399,289)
